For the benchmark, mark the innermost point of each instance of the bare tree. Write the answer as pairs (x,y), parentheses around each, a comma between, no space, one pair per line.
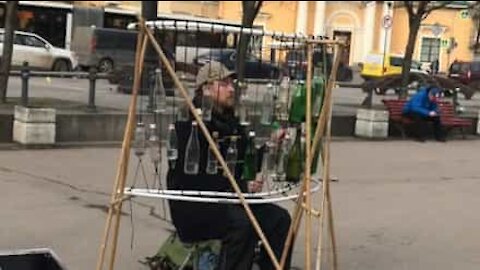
(5,63)
(250,11)
(475,14)
(417,12)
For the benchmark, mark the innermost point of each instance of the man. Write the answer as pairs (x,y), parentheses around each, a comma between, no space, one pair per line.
(423,108)
(228,222)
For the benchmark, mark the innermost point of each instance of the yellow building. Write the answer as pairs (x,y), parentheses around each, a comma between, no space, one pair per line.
(369,26)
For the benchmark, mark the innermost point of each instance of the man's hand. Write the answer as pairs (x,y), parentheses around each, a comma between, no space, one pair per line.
(432,113)
(255,186)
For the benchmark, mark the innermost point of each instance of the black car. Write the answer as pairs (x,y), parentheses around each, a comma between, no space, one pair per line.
(296,65)
(255,68)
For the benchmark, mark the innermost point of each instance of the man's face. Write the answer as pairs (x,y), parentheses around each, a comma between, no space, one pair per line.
(222,93)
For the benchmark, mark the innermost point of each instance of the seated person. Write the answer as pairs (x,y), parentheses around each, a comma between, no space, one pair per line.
(422,108)
(228,222)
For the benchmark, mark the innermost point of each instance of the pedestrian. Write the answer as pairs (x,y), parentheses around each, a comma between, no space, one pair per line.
(422,108)
(228,222)
(434,66)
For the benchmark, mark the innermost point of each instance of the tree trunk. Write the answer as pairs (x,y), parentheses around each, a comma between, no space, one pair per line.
(407,61)
(249,13)
(5,63)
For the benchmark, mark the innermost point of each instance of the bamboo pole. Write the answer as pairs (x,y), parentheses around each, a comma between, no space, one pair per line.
(326,176)
(318,134)
(101,256)
(127,143)
(213,147)
(308,158)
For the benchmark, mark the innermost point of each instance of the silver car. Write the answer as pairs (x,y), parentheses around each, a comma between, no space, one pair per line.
(39,53)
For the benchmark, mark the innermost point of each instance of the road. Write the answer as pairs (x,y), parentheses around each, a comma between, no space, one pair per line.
(346,100)
(398,205)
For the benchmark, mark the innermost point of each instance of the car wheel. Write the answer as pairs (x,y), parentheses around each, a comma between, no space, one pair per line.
(105,66)
(61,65)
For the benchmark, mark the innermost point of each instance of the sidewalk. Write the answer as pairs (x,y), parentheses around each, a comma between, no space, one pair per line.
(398,205)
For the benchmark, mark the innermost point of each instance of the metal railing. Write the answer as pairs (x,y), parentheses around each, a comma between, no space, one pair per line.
(25,74)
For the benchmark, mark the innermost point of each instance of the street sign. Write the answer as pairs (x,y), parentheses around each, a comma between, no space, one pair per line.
(387,21)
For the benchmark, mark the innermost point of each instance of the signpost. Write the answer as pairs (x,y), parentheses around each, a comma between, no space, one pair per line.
(387,24)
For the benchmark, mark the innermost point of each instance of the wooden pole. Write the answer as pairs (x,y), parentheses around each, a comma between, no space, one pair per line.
(126,156)
(121,161)
(308,159)
(326,171)
(213,147)
(319,132)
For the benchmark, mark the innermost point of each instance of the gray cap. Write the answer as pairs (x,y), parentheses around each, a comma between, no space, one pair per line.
(212,71)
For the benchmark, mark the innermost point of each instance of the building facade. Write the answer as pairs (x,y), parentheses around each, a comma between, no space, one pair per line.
(366,26)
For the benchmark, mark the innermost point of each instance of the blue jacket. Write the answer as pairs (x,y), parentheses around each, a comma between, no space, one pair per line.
(420,104)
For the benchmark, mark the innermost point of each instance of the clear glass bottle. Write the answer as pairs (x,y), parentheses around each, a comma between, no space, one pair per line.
(154,146)
(232,155)
(267,106)
(282,158)
(212,163)
(159,90)
(139,143)
(172,146)
(207,105)
(192,152)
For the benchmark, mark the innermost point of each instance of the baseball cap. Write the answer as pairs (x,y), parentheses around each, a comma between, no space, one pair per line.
(212,71)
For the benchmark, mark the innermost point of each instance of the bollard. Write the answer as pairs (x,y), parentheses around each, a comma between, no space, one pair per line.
(25,74)
(455,98)
(92,77)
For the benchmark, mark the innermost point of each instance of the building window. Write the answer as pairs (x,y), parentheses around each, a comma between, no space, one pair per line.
(430,50)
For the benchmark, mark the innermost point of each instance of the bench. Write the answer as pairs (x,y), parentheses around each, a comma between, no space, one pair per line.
(446,110)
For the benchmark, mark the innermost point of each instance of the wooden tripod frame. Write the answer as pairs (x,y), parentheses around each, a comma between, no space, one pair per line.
(304,201)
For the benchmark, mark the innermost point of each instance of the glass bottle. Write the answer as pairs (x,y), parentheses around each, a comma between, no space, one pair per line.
(317,95)
(294,160)
(154,147)
(159,90)
(207,105)
(139,143)
(297,111)
(282,158)
(267,106)
(249,164)
(232,155)
(192,151)
(212,163)
(172,146)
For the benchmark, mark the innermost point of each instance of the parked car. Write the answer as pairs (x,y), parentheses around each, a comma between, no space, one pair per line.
(39,53)
(466,72)
(296,65)
(106,49)
(373,67)
(254,67)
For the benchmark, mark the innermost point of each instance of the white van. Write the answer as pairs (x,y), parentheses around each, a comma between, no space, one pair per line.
(39,53)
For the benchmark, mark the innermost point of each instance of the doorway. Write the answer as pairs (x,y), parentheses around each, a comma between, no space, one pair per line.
(345,36)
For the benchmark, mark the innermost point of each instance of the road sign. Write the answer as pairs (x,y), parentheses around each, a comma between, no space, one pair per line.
(387,21)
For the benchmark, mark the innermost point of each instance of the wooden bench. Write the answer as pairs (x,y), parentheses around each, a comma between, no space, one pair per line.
(446,110)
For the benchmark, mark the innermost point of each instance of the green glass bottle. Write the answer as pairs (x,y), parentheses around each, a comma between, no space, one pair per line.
(249,168)
(297,110)
(295,159)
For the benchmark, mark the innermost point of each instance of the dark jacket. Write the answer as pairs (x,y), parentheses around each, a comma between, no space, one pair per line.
(201,221)
(420,104)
